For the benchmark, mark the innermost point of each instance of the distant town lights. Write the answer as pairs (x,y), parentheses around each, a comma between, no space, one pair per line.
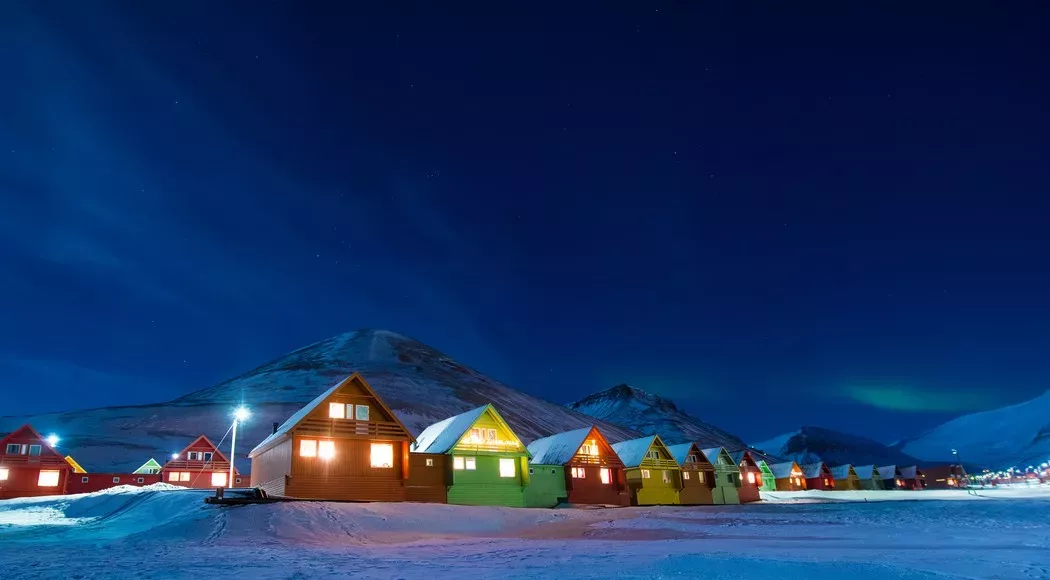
(52,440)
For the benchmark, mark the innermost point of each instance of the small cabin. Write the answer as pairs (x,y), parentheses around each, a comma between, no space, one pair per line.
(698,475)
(769,481)
(818,476)
(727,476)
(199,466)
(653,475)
(891,477)
(575,467)
(150,467)
(913,478)
(868,477)
(750,476)
(30,466)
(346,444)
(489,462)
(789,476)
(845,477)
(947,476)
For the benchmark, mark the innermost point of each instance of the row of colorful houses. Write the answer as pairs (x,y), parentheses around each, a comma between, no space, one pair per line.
(348,445)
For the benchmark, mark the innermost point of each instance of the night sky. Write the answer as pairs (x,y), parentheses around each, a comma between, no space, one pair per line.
(779,215)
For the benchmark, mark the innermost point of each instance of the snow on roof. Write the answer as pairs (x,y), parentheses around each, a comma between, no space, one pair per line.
(712,454)
(633,452)
(782,470)
(888,472)
(864,471)
(298,416)
(840,471)
(909,472)
(558,449)
(442,436)
(680,452)
(812,469)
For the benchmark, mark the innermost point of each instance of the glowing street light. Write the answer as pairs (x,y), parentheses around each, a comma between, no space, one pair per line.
(174,455)
(52,440)
(240,414)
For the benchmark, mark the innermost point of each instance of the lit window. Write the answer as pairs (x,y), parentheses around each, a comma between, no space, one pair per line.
(751,477)
(14,449)
(667,476)
(471,463)
(506,467)
(184,476)
(34,450)
(47,478)
(82,480)
(361,412)
(382,455)
(3,475)
(645,474)
(307,448)
(337,410)
(589,447)
(605,474)
(326,449)
(531,471)
(578,473)
(430,462)
(173,476)
(685,475)
(457,463)
(700,477)
(116,480)
(218,479)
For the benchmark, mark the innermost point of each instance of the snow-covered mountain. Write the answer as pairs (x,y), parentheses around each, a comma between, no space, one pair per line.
(813,444)
(1013,436)
(652,414)
(421,384)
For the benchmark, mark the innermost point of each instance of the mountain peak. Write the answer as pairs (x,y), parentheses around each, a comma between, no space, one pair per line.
(627,393)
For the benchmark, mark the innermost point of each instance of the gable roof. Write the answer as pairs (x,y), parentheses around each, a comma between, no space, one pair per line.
(151,464)
(301,414)
(738,457)
(35,435)
(813,470)
(216,458)
(76,466)
(763,466)
(910,472)
(681,452)
(783,470)
(842,471)
(866,471)
(712,454)
(442,436)
(560,448)
(632,452)
(888,472)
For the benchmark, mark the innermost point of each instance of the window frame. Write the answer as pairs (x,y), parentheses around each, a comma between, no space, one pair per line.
(35,447)
(429,462)
(685,476)
(605,475)
(84,479)
(184,476)
(339,408)
(140,480)
(323,444)
(208,456)
(13,449)
(458,463)
(49,472)
(372,454)
(504,461)
(646,474)
(665,475)
(470,463)
(225,477)
(4,473)
(116,480)
(310,444)
(357,413)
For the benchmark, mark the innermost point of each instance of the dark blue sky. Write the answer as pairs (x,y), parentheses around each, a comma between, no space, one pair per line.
(831,215)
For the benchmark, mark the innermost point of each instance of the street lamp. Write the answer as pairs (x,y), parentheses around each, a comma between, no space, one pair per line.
(240,414)
(52,440)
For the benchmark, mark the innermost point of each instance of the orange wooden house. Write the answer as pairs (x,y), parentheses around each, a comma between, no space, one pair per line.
(201,466)
(344,445)
(30,466)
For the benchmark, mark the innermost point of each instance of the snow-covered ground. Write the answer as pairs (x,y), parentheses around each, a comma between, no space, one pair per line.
(164,533)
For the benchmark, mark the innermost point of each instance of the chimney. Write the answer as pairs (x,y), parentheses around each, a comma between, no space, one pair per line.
(275,426)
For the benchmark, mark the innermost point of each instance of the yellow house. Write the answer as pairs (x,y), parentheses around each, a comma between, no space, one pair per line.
(653,475)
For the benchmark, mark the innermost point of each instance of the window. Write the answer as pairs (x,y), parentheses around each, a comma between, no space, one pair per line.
(83,480)
(691,459)
(141,480)
(172,476)
(307,448)
(193,456)
(552,471)
(3,474)
(751,477)
(326,449)
(645,474)
(34,450)
(685,475)
(605,475)
(430,462)
(506,467)
(116,480)
(338,410)
(361,412)
(531,471)
(48,478)
(184,476)
(14,449)
(457,463)
(653,454)
(475,435)
(490,434)
(207,456)
(589,447)
(667,476)
(700,477)
(578,473)
(218,479)
(471,463)
(382,455)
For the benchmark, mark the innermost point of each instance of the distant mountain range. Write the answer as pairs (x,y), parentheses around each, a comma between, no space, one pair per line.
(813,444)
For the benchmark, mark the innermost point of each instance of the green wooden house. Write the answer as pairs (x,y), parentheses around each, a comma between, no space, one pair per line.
(769,481)
(489,464)
(653,475)
(148,467)
(727,476)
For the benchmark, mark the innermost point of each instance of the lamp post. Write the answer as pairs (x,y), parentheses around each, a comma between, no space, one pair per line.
(239,415)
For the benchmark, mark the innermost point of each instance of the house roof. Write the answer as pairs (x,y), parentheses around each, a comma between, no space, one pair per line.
(681,451)
(558,449)
(632,452)
(865,471)
(301,414)
(738,456)
(910,472)
(151,464)
(712,453)
(219,456)
(888,472)
(841,471)
(442,436)
(782,470)
(812,470)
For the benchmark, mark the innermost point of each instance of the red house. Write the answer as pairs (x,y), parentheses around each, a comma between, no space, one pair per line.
(750,476)
(30,466)
(201,466)
(89,482)
(818,476)
(914,478)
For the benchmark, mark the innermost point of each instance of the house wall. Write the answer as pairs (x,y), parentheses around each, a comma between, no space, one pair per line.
(100,481)
(590,489)
(791,484)
(751,480)
(22,480)
(654,490)
(727,484)
(697,489)
(769,482)
(547,487)
(348,475)
(484,486)
(428,483)
(851,483)
(825,482)
(271,467)
(875,483)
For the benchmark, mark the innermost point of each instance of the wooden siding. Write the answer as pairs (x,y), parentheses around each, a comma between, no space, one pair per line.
(697,489)
(271,467)
(727,484)
(90,482)
(23,470)
(484,486)
(751,481)
(795,483)
(590,490)
(851,483)
(547,487)
(487,421)
(428,483)
(654,490)
(348,475)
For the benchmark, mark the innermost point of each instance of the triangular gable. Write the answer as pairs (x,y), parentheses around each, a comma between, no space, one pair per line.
(682,451)
(76,466)
(147,466)
(784,470)
(318,401)
(444,436)
(865,471)
(633,452)
(743,458)
(888,472)
(764,467)
(217,456)
(26,434)
(561,448)
(718,455)
(843,471)
(815,470)
(910,472)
